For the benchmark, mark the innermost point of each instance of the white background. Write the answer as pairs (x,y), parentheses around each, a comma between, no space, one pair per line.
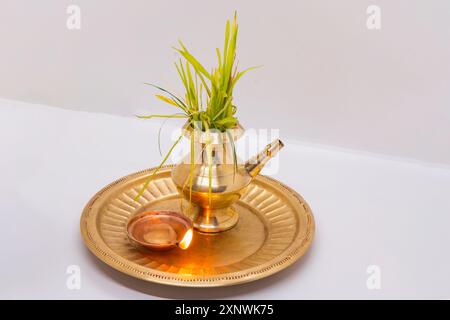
(365,115)
(326,78)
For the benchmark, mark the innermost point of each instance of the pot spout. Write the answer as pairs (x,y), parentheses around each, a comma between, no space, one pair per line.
(254,165)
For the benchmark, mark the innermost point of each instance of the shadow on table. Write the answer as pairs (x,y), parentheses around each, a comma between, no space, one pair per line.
(171,292)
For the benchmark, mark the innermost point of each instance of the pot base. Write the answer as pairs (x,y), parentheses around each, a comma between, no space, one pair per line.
(214,220)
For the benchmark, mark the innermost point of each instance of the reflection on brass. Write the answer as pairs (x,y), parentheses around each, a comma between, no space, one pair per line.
(212,210)
(275,228)
(160,230)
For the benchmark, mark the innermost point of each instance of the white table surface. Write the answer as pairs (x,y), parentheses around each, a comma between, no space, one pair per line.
(369,210)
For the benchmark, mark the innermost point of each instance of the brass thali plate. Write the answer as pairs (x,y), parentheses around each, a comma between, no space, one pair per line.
(275,228)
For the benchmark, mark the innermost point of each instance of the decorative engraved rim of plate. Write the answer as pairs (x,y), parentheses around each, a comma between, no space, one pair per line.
(296,248)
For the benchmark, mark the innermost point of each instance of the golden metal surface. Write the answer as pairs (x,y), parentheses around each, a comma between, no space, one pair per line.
(214,181)
(275,228)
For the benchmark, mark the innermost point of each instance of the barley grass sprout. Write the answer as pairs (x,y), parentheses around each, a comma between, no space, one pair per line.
(208,99)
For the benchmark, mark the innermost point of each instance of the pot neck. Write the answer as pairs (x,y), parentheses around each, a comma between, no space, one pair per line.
(213,136)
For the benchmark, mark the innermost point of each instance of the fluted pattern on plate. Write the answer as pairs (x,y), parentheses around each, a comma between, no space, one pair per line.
(285,218)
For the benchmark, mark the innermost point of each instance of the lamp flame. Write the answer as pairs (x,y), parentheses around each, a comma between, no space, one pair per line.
(186,241)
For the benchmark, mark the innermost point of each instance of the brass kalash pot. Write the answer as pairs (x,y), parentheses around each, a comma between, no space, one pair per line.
(212,196)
